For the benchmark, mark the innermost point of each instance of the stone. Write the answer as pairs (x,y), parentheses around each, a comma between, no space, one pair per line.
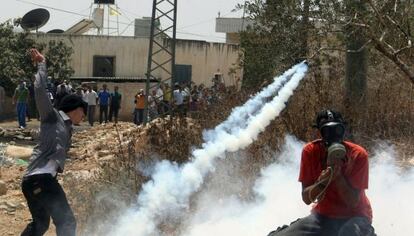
(3,188)
(11,205)
(21,137)
(18,152)
(9,210)
(21,205)
(103,153)
(107,158)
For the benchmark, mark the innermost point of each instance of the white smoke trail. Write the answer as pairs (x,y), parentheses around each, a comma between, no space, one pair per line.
(278,199)
(239,116)
(168,192)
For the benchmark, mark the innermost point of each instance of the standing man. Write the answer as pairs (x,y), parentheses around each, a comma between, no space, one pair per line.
(160,99)
(32,110)
(103,97)
(334,176)
(60,94)
(178,99)
(167,97)
(92,97)
(21,95)
(139,107)
(44,195)
(116,98)
(153,105)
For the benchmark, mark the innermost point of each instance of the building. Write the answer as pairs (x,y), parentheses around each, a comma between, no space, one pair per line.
(232,27)
(123,61)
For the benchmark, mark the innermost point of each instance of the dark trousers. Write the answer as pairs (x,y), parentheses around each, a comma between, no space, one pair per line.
(166,106)
(45,198)
(103,111)
(113,112)
(180,110)
(21,113)
(91,114)
(317,225)
(138,116)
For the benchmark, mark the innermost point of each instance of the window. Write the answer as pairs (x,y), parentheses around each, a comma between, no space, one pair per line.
(103,66)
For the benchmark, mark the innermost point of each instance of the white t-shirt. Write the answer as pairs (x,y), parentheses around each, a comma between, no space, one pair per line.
(85,96)
(91,98)
(178,97)
(160,94)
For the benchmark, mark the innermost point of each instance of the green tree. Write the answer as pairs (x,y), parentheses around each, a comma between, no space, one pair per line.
(15,63)
(284,31)
(58,57)
(277,38)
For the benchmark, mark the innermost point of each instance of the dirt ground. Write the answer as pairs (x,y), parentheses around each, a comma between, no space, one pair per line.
(14,219)
(91,148)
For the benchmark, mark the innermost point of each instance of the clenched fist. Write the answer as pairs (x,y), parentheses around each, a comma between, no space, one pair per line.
(36,56)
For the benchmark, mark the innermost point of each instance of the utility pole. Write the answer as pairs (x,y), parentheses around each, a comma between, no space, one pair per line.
(161,53)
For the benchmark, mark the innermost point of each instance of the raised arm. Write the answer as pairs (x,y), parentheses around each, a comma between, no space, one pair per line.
(44,105)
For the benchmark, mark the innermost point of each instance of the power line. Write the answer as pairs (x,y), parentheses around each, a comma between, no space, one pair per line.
(201,35)
(65,18)
(203,21)
(123,23)
(53,8)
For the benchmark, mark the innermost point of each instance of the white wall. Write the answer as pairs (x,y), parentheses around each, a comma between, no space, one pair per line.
(131,55)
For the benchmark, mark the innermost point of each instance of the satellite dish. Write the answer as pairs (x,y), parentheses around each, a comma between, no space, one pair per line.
(35,19)
(56,31)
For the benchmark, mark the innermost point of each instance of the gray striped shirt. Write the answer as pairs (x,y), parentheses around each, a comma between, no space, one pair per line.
(55,128)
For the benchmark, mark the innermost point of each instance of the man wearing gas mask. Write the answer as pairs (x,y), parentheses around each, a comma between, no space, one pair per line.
(334,176)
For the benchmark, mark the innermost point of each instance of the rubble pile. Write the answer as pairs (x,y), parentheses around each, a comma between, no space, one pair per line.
(104,143)
(19,134)
(109,159)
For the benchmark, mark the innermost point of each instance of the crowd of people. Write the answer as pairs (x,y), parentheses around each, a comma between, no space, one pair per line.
(179,99)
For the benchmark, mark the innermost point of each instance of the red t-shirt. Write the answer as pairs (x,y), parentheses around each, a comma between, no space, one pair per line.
(355,171)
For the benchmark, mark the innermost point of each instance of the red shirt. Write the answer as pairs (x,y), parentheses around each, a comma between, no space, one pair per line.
(355,171)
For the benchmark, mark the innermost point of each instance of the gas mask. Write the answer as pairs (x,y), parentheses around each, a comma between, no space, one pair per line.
(333,135)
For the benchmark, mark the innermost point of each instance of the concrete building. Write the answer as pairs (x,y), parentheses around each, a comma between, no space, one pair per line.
(232,27)
(123,60)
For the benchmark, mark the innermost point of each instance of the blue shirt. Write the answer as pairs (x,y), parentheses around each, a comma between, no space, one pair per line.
(104,97)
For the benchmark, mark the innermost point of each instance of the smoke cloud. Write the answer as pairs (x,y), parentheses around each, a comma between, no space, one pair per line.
(171,186)
(276,193)
(278,199)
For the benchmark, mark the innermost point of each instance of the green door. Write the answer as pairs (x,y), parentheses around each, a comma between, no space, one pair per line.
(182,74)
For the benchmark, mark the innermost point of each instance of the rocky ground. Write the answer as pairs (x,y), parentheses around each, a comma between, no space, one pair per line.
(93,150)
(97,155)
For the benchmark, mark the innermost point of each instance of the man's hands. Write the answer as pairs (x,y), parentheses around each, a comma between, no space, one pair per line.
(36,56)
(325,176)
